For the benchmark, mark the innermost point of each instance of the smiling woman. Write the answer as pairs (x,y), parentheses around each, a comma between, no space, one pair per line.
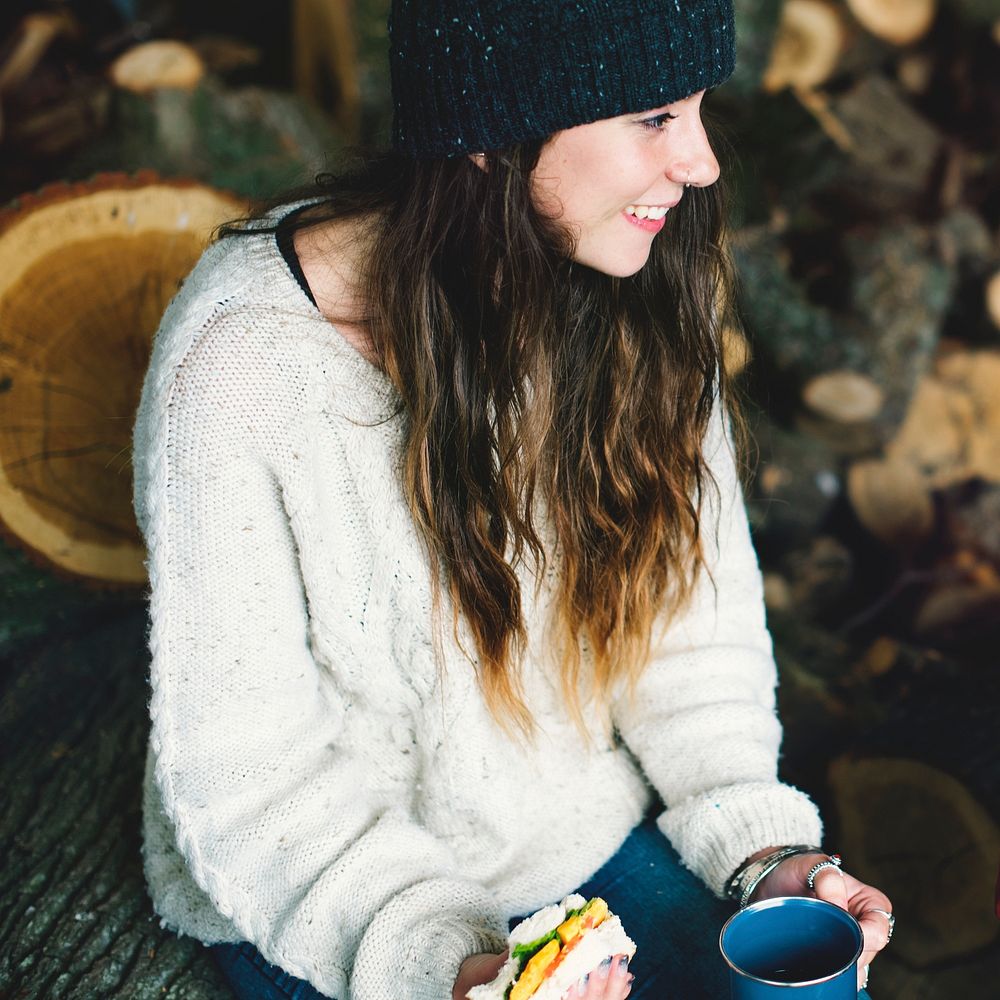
(455,609)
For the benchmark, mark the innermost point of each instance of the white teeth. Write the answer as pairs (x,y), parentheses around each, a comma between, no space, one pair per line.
(646,212)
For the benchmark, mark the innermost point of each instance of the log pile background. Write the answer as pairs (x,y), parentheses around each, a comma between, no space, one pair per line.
(867,237)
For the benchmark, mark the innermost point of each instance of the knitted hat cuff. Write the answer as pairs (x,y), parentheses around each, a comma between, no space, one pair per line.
(523,70)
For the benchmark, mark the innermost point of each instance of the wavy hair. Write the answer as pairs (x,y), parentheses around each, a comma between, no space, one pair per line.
(545,400)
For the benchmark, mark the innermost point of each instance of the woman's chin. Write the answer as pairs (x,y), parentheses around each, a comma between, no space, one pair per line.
(615,265)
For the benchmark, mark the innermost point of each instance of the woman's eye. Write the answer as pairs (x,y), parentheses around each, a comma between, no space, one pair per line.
(656,124)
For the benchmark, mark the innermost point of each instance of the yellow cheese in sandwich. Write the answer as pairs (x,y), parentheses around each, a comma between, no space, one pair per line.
(569,930)
(534,972)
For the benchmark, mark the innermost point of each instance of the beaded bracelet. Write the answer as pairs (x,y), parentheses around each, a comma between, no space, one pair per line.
(746,879)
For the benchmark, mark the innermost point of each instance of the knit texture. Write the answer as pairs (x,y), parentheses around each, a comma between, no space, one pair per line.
(315,785)
(468,77)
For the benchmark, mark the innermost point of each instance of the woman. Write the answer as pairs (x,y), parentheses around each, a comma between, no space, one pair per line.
(454,605)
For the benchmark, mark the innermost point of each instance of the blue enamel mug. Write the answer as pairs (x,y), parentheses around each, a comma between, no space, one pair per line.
(792,947)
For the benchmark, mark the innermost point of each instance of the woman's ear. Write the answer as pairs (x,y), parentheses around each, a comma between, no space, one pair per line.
(479,159)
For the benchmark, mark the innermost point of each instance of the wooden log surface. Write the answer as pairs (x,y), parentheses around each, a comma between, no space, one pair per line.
(756,25)
(900,290)
(250,140)
(899,23)
(811,38)
(893,149)
(75,920)
(35,602)
(914,800)
(920,835)
(86,271)
(163,63)
(797,481)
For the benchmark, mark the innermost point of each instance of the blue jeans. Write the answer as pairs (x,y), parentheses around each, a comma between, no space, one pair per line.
(673,919)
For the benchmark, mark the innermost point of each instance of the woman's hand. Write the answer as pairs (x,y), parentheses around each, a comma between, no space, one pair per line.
(475,971)
(611,980)
(862,901)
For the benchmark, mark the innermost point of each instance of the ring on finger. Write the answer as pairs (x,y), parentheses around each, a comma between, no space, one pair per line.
(888,916)
(834,862)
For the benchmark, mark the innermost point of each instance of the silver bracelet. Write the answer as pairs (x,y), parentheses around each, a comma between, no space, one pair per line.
(746,879)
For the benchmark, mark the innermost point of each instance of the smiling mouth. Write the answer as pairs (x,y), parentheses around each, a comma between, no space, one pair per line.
(649,211)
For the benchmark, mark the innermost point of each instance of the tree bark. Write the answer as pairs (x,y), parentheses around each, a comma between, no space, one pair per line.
(75,920)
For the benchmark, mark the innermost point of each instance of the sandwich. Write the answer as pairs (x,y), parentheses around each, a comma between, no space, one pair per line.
(555,947)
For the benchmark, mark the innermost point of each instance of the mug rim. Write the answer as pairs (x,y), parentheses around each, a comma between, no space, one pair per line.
(776,901)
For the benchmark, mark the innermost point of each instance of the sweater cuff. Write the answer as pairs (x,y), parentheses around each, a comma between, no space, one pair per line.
(716,831)
(416,945)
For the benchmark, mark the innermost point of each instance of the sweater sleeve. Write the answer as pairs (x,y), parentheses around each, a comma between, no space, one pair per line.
(272,810)
(703,723)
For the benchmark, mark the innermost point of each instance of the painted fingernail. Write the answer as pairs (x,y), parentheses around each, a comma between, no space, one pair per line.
(604,969)
(581,986)
(622,963)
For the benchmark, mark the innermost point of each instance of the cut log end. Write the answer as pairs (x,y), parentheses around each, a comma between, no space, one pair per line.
(844,397)
(993,298)
(898,22)
(920,836)
(892,500)
(810,41)
(157,65)
(735,351)
(74,359)
(914,72)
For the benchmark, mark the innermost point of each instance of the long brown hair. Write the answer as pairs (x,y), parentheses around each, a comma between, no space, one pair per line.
(544,399)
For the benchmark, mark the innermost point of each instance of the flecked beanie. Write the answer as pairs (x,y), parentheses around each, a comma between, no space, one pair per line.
(470,76)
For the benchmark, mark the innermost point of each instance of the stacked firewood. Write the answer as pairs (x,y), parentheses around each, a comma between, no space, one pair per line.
(79,95)
(869,251)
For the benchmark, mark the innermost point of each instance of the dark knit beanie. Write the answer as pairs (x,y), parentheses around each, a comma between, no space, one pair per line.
(470,76)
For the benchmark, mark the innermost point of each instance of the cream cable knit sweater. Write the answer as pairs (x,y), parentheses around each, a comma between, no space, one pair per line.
(314,784)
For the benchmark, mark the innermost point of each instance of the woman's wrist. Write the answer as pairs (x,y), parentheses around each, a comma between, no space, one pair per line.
(748,877)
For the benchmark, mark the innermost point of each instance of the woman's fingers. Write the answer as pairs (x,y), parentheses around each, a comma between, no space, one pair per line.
(869,907)
(611,980)
(829,885)
(866,903)
(875,925)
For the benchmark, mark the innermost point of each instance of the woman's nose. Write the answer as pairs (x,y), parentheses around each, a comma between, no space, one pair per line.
(693,160)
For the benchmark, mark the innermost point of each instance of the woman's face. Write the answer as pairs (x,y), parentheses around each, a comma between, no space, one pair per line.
(610,181)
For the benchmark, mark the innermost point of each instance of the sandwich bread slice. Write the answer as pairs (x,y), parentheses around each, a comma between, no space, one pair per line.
(553,948)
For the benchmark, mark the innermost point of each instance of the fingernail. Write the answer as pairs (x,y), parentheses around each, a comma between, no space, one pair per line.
(604,969)
(581,986)
(622,963)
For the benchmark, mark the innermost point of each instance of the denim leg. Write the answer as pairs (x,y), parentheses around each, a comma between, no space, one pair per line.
(252,977)
(673,919)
